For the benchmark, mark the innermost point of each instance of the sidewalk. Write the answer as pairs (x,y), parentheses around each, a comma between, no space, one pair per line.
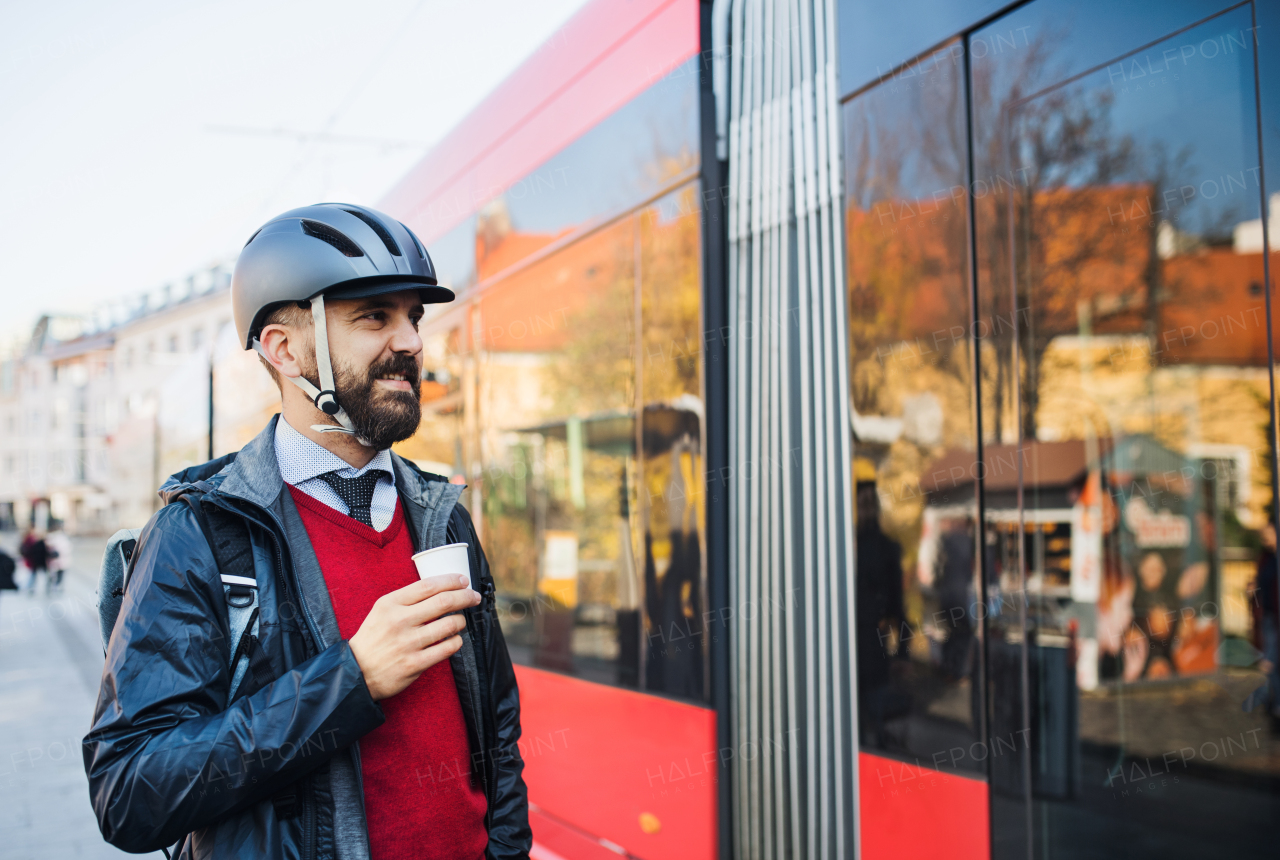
(50,665)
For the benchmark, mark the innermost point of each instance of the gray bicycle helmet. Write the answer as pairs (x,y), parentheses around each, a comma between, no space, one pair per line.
(332,250)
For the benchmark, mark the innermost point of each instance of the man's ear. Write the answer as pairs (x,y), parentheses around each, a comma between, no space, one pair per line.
(282,347)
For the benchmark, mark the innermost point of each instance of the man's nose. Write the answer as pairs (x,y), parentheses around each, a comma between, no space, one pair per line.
(405,338)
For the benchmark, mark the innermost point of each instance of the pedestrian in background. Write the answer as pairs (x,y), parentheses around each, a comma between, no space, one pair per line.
(1266,605)
(7,567)
(35,555)
(58,549)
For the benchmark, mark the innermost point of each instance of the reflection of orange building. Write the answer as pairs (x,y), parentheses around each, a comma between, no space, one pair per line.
(499,246)
(1093,246)
(1201,304)
(530,310)
(1213,310)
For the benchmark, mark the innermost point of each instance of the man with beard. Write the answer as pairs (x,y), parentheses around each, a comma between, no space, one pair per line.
(361,712)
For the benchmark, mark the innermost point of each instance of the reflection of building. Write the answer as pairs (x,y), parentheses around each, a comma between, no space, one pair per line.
(1077,279)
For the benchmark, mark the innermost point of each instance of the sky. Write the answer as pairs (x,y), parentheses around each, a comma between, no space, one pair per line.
(142,141)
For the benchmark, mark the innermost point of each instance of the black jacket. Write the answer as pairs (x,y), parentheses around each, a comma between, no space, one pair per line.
(170,760)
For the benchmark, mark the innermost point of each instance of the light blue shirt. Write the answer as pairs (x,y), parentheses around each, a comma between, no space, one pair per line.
(302,460)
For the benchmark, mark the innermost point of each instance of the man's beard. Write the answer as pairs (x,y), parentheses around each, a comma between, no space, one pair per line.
(380,417)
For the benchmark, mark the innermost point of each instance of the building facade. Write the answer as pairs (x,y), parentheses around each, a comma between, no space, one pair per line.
(96,412)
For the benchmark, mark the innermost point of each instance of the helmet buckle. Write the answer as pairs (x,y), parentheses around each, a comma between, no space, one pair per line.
(326,401)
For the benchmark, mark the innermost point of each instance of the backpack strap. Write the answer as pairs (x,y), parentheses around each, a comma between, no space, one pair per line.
(232,550)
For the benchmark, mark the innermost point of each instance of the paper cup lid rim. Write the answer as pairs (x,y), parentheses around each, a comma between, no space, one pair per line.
(436,548)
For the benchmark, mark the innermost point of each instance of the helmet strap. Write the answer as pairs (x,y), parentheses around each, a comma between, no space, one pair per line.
(325,397)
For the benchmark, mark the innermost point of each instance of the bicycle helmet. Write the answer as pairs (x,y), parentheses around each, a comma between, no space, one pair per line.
(332,250)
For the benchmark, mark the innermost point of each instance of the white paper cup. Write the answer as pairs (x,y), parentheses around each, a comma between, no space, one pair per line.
(443,560)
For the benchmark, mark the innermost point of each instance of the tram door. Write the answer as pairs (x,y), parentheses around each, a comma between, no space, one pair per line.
(1124,394)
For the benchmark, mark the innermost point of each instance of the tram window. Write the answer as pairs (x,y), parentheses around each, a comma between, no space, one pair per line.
(557,440)
(443,445)
(454,258)
(628,157)
(672,495)
(876,37)
(917,630)
(1133,395)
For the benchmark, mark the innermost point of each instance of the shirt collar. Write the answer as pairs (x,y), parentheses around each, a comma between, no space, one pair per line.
(301,459)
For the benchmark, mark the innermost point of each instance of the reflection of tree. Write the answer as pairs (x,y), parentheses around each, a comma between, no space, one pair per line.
(906,235)
(909,308)
(1085,215)
(512,552)
(670,297)
(1049,164)
(593,371)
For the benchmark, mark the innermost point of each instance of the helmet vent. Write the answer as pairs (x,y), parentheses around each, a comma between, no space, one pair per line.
(254,236)
(422,253)
(325,233)
(377,228)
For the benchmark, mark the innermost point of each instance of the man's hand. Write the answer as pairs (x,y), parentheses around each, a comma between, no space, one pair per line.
(410,630)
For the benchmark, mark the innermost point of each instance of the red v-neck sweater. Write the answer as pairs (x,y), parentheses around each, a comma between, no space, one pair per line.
(421,798)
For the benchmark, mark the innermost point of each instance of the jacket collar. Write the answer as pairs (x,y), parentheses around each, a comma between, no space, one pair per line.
(427,503)
(254,476)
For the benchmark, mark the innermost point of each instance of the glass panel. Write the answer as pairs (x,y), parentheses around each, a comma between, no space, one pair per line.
(671,515)
(625,159)
(454,256)
(1125,413)
(918,627)
(442,444)
(875,38)
(556,395)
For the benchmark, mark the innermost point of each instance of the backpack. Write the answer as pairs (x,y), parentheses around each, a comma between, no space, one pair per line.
(228,537)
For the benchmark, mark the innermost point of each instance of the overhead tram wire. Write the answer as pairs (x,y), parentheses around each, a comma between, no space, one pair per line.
(308,144)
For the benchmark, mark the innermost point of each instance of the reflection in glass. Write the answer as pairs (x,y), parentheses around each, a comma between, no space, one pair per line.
(592,520)
(917,634)
(441,444)
(453,255)
(556,390)
(1125,409)
(634,153)
(672,498)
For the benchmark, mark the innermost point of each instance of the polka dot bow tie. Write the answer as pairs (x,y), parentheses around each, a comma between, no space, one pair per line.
(356,493)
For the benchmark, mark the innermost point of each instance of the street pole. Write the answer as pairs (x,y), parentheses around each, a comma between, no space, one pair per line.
(210,452)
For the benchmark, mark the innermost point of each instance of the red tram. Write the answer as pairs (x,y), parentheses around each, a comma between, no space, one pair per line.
(868,413)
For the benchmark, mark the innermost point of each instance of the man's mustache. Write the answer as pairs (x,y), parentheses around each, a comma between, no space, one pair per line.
(398,365)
